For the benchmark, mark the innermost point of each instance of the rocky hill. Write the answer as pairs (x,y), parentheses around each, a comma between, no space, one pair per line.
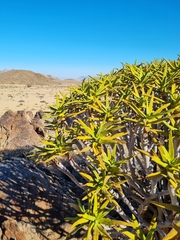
(29,77)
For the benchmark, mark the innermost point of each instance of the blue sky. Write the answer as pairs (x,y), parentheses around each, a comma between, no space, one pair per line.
(73,38)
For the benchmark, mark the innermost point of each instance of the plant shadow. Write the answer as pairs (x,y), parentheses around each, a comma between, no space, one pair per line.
(34,194)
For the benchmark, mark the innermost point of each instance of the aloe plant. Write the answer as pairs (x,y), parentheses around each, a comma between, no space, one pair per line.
(124,126)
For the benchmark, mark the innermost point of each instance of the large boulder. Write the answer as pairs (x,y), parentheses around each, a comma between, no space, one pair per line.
(19,132)
(36,198)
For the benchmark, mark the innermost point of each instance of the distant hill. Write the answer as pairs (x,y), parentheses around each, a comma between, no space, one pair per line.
(82,77)
(3,71)
(29,77)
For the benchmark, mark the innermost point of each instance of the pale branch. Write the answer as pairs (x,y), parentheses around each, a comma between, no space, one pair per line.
(64,170)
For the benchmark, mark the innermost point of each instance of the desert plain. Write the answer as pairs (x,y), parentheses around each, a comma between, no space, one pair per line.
(21,97)
(21,91)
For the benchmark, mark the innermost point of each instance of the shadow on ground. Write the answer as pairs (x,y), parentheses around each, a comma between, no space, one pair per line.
(33,194)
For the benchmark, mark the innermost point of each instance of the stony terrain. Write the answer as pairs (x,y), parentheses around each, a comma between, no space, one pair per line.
(33,197)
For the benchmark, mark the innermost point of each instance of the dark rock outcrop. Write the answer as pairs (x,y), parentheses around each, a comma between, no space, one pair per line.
(35,197)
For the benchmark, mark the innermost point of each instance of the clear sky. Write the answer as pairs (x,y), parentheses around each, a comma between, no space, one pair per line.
(73,38)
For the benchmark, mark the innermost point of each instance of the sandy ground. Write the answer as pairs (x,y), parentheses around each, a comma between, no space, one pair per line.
(23,97)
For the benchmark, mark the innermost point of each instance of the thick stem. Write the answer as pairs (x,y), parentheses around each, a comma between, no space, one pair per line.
(64,170)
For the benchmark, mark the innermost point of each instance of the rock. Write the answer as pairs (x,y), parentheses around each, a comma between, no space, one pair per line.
(11,229)
(19,132)
(36,200)
(33,199)
(39,114)
(38,124)
(38,127)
